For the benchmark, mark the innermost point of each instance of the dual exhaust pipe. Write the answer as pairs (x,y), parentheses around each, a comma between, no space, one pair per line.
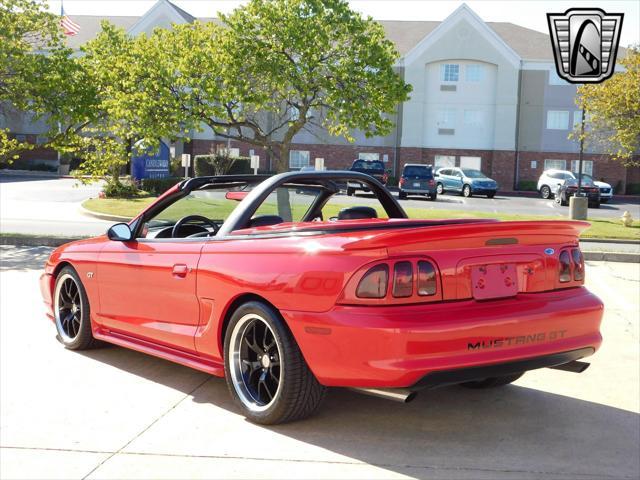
(404,395)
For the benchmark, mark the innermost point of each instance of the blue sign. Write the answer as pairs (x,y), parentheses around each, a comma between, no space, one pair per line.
(151,164)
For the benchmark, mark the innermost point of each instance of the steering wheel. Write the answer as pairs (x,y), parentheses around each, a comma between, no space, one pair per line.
(191,218)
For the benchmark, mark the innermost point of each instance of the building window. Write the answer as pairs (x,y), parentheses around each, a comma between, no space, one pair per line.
(577,118)
(474,73)
(473,118)
(232,152)
(557,120)
(40,139)
(447,118)
(554,79)
(441,161)
(534,164)
(587,166)
(555,164)
(368,156)
(21,137)
(449,72)
(299,158)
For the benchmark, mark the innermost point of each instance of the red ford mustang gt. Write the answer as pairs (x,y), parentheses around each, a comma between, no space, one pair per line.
(292,290)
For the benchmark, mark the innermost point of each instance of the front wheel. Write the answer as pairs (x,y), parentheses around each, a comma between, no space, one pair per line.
(493,381)
(545,192)
(466,191)
(350,191)
(264,368)
(402,195)
(71,311)
(491,195)
(439,189)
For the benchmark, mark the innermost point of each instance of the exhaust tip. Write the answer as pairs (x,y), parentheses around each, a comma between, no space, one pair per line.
(401,395)
(411,397)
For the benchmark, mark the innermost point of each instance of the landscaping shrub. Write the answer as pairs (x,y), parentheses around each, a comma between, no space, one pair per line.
(120,190)
(633,189)
(157,186)
(205,165)
(528,185)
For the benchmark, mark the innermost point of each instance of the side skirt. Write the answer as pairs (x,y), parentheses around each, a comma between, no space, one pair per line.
(161,351)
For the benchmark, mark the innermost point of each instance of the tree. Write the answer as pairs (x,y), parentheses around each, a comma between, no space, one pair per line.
(272,69)
(613,110)
(39,75)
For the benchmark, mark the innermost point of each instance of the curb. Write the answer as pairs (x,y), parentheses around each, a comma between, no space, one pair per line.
(27,241)
(609,240)
(611,257)
(103,216)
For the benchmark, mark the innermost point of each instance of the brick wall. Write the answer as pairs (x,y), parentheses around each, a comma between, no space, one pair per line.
(497,164)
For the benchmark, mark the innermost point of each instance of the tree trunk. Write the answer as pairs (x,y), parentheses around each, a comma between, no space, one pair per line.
(284,200)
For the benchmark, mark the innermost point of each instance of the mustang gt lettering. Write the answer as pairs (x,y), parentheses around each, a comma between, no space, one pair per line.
(276,285)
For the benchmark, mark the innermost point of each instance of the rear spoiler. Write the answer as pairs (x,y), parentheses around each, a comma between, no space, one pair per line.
(472,235)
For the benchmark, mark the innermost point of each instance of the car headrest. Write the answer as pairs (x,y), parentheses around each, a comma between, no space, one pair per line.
(265,220)
(353,213)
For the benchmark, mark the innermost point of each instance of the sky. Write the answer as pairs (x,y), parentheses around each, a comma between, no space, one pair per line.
(527,13)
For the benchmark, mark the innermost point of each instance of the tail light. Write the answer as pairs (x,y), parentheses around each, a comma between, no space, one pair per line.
(564,267)
(385,177)
(374,283)
(401,181)
(414,280)
(578,264)
(432,182)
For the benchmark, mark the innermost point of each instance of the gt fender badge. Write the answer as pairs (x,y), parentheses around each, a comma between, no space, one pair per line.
(549,251)
(89,274)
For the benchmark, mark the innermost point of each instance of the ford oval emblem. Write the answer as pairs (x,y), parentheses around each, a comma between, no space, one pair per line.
(549,251)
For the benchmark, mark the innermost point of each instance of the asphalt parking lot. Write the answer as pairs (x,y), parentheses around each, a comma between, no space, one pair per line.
(114,413)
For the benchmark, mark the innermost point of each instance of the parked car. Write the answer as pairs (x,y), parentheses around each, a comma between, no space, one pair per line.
(375,168)
(550,180)
(606,191)
(284,307)
(569,188)
(466,181)
(417,179)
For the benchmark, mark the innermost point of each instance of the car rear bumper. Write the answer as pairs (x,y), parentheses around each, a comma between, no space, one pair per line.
(398,346)
(419,191)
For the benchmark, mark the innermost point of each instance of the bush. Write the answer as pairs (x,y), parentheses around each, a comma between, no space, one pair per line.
(633,189)
(157,186)
(528,185)
(120,190)
(205,165)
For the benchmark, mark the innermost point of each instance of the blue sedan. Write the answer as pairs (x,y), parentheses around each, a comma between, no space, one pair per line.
(465,181)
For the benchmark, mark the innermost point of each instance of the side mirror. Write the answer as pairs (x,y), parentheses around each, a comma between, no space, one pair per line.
(120,232)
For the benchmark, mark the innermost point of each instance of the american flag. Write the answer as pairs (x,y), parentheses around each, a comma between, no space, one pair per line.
(69,27)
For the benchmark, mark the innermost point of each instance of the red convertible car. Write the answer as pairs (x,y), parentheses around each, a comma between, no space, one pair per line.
(294,289)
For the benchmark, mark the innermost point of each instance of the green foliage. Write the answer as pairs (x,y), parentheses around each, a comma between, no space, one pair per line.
(528,185)
(273,68)
(633,189)
(39,74)
(157,186)
(613,118)
(116,189)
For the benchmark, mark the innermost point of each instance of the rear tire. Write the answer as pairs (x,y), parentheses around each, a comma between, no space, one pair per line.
(433,197)
(545,192)
(493,381)
(402,195)
(439,189)
(350,191)
(265,372)
(71,310)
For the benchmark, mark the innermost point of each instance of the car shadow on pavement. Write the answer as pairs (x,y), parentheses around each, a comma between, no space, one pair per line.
(453,432)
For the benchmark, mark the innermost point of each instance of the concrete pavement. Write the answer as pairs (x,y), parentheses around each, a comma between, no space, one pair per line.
(115,413)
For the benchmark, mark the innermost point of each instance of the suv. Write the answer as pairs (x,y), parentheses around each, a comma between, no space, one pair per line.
(466,181)
(375,168)
(417,179)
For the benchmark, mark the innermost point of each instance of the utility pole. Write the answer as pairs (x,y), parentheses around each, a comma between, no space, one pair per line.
(579,192)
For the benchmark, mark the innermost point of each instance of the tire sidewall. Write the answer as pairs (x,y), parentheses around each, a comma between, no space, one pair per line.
(466,191)
(439,189)
(84,335)
(283,338)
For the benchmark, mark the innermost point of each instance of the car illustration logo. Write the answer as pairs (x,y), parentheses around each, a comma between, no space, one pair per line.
(549,251)
(585,43)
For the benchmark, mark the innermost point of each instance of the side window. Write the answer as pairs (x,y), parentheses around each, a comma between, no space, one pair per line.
(290,203)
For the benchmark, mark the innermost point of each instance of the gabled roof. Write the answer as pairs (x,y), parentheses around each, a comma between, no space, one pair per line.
(528,44)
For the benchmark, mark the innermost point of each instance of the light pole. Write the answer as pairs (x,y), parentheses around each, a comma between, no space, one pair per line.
(579,192)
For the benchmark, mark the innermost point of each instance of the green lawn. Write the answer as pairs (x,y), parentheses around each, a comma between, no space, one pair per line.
(212,209)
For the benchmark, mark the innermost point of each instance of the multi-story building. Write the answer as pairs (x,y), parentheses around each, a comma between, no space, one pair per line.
(485,95)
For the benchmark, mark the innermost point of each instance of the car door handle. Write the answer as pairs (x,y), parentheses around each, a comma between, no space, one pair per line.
(180,270)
